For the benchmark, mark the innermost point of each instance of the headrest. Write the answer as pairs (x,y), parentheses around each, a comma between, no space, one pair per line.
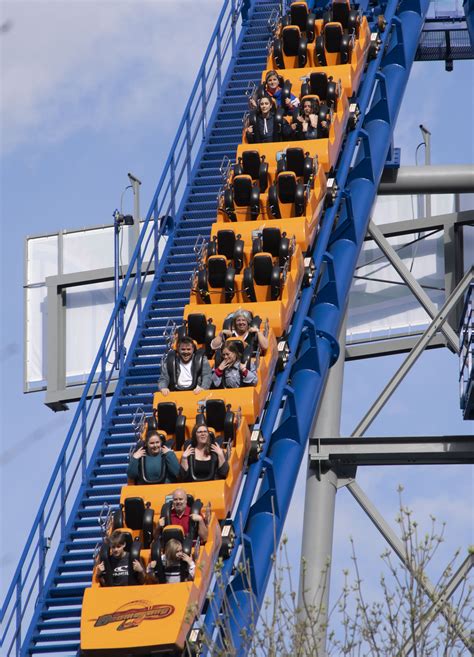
(340,12)
(238,343)
(295,160)
(167,416)
(318,84)
(128,540)
(197,327)
(216,271)
(299,14)
(251,163)
(287,186)
(134,508)
(226,243)
(262,268)
(332,37)
(271,238)
(172,531)
(291,39)
(215,413)
(242,189)
(151,423)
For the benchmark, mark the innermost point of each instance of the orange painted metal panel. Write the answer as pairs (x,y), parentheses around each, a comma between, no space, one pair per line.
(118,620)
(326,150)
(302,228)
(220,493)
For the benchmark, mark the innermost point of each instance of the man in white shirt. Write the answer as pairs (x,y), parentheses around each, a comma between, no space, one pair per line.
(187,368)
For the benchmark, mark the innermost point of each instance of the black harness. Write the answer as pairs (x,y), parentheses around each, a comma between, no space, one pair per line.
(172,365)
(212,470)
(133,553)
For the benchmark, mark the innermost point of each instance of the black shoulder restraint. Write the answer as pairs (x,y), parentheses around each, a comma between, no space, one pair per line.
(142,471)
(212,472)
(172,365)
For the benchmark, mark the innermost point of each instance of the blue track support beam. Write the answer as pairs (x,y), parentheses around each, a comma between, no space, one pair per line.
(469,13)
(318,317)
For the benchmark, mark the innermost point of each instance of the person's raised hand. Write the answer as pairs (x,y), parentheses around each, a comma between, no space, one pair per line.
(189,451)
(140,453)
(137,566)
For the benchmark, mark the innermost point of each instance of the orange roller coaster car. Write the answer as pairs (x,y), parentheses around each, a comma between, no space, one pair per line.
(278,311)
(220,493)
(339,50)
(151,618)
(326,149)
(302,227)
(250,399)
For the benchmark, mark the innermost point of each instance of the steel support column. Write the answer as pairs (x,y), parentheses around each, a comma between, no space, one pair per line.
(319,511)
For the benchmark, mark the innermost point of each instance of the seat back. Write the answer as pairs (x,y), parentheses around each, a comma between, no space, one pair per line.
(172,531)
(251,164)
(242,190)
(134,508)
(226,243)
(291,39)
(215,413)
(340,12)
(295,161)
(286,186)
(333,34)
(196,325)
(299,15)
(318,84)
(167,415)
(271,239)
(216,271)
(262,268)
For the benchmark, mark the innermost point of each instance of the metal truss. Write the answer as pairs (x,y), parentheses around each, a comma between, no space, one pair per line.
(444,39)
(452,225)
(334,463)
(440,601)
(339,454)
(396,450)
(411,282)
(415,353)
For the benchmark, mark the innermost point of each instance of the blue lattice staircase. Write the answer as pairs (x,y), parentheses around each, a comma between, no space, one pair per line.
(58,619)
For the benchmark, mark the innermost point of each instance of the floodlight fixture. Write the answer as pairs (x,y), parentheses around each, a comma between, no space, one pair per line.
(134,179)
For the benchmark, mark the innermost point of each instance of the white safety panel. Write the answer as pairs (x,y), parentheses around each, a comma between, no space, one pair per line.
(88,307)
(380,304)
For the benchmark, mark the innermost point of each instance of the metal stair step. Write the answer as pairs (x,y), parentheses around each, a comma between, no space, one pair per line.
(72,623)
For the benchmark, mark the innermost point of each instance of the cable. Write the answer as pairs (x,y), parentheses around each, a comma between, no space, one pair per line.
(383,280)
(400,248)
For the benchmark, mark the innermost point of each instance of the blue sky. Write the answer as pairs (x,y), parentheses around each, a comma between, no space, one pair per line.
(92,90)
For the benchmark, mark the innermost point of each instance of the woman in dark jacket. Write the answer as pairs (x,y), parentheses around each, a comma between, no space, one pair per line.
(267,127)
(153,462)
(202,459)
(309,121)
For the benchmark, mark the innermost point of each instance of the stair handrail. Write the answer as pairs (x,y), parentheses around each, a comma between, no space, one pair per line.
(159,223)
(466,344)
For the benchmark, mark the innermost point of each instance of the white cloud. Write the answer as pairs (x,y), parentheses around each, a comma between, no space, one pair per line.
(96,65)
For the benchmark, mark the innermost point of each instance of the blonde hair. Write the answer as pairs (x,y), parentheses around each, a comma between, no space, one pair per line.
(172,547)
